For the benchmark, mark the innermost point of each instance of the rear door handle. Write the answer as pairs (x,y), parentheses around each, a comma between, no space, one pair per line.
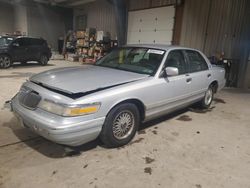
(188,80)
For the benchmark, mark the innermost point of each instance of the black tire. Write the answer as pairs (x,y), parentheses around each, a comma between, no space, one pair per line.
(109,134)
(43,60)
(208,98)
(5,61)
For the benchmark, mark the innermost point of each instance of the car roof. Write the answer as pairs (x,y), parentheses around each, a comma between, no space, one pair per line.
(17,37)
(159,46)
(29,37)
(7,36)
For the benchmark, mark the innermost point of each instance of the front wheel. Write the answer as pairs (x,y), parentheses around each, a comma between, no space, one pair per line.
(43,60)
(208,98)
(5,61)
(120,125)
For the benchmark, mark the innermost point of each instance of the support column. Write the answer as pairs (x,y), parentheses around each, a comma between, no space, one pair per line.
(121,20)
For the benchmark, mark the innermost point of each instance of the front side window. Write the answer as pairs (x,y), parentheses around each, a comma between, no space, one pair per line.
(176,59)
(133,59)
(196,61)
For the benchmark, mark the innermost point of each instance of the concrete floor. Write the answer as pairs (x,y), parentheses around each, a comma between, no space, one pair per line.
(190,148)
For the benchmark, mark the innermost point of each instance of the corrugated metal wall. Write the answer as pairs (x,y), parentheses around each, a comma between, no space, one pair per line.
(100,15)
(143,4)
(213,26)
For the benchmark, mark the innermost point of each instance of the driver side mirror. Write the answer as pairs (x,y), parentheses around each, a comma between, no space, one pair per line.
(15,44)
(171,71)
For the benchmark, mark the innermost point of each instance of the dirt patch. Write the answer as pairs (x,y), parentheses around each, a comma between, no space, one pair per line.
(201,111)
(148,170)
(149,160)
(217,100)
(184,118)
(198,186)
(85,166)
(154,132)
(155,127)
(54,172)
(142,132)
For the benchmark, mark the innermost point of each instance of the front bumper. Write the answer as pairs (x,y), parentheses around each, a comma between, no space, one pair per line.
(71,131)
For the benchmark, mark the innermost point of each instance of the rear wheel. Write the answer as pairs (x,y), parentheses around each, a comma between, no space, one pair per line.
(5,61)
(120,125)
(43,60)
(208,98)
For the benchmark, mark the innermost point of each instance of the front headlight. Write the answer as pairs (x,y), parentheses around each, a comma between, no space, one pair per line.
(69,111)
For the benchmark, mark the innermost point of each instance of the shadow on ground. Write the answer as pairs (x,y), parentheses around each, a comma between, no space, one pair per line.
(53,150)
(29,65)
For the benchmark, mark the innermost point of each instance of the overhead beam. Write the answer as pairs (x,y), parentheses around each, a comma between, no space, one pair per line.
(72,3)
(121,12)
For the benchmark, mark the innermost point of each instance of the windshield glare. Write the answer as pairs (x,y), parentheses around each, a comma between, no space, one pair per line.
(5,41)
(133,59)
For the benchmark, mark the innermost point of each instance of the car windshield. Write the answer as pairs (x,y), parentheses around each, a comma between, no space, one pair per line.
(5,41)
(133,59)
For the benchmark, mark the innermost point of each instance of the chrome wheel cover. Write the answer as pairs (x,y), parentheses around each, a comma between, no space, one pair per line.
(208,96)
(123,125)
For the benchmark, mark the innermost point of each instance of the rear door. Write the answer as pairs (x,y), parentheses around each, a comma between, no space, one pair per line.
(198,73)
(20,52)
(34,48)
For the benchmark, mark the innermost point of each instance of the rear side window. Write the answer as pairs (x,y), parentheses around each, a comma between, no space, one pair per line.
(38,42)
(23,41)
(176,59)
(196,61)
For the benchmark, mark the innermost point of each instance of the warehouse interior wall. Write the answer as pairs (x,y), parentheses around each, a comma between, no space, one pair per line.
(100,15)
(219,27)
(6,18)
(36,20)
(46,23)
(20,22)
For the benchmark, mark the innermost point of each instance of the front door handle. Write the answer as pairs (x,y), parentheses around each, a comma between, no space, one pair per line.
(188,80)
(209,75)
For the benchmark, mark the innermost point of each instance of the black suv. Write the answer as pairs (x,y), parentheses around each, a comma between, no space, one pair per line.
(23,49)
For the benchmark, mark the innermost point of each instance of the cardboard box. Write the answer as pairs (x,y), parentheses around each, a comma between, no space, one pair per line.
(101,35)
(80,34)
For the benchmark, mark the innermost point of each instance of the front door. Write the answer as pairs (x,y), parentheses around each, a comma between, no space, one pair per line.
(171,92)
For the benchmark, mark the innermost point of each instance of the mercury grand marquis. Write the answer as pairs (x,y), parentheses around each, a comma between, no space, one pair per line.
(110,99)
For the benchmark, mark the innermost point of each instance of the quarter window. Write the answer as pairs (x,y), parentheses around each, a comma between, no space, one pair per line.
(176,59)
(196,61)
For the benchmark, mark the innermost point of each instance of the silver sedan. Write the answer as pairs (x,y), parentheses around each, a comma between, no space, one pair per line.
(110,99)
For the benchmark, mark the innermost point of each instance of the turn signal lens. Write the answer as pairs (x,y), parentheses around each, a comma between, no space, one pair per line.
(84,110)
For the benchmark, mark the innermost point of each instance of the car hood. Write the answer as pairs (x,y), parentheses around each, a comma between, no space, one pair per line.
(84,79)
